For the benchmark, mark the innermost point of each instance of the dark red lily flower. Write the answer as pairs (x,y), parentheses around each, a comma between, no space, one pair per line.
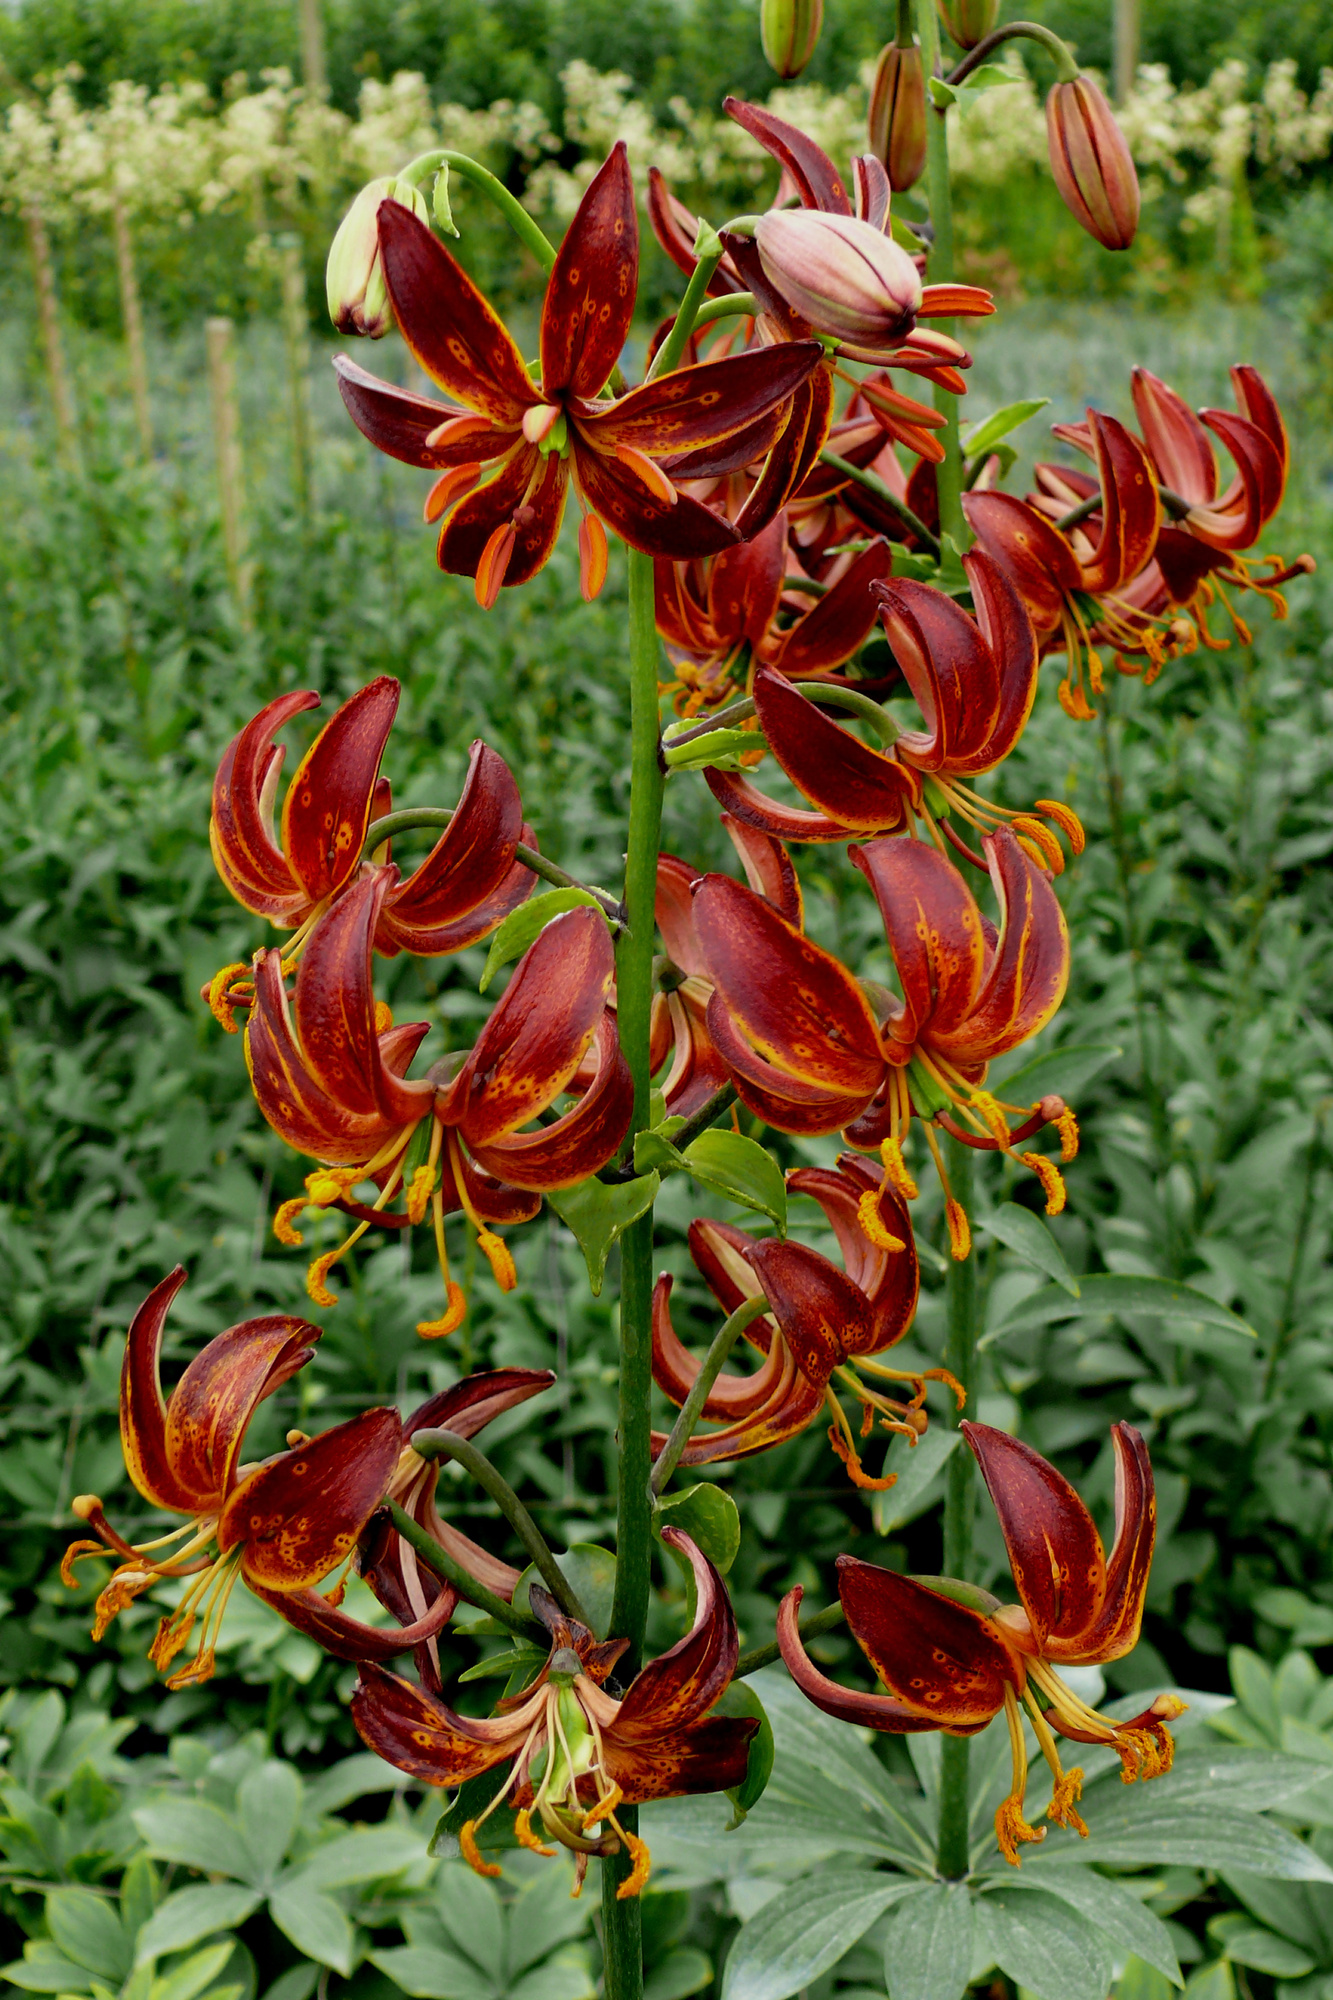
(1055,573)
(811,1051)
(501,528)
(329,1078)
(747,608)
(974,681)
(280,1526)
(467,884)
(822,1329)
(953,1657)
(576,1754)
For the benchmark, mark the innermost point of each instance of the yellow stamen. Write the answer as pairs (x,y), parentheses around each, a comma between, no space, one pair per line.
(1010,1826)
(1032,831)
(329,1184)
(872,1223)
(220,1007)
(1095,671)
(642,1860)
(891,1153)
(960,1233)
(1068,1787)
(126,1584)
(1067,1126)
(996,1123)
(284,1221)
(1052,1180)
(454,1315)
(525,1836)
(419,1191)
(604,1807)
(1066,819)
(840,1437)
(500,1258)
(467,1843)
(383,1017)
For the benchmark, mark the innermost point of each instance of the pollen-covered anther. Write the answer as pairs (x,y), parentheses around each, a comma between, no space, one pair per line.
(455,1313)
(1034,834)
(284,1221)
(471,1853)
(419,1191)
(1095,672)
(500,1258)
(540,421)
(642,1862)
(1052,1180)
(318,1272)
(1066,1124)
(988,1110)
(603,1808)
(872,1223)
(1068,821)
(383,1017)
(1064,1799)
(891,1153)
(525,1836)
(1011,1829)
(329,1184)
(960,1230)
(856,1472)
(221,1005)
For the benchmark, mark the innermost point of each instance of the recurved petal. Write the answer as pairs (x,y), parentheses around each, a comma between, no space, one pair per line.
(1115,1630)
(672,533)
(702,404)
(888,1279)
(417,1733)
(471,858)
(397,932)
(326,813)
(470,1405)
(526,492)
(1034,554)
(592,288)
(1008,631)
(941,1659)
(675,1369)
(795,451)
(709,1756)
(824,1317)
(782,1100)
(849,782)
(299,1110)
(398,423)
(143,1413)
(211,1405)
(450,329)
(1254,496)
(1055,1552)
(951,671)
(681,1685)
(349,1638)
(839,623)
(254,868)
(755,809)
(578,1143)
(934,932)
(745,584)
(817,179)
(801,1009)
(334,1011)
(792,1406)
(1260,405)
(1131,512)
(866,1711)
(768,868)
(674,225)
(1175,437)
(674,910)
(1029,969)
(300,1515)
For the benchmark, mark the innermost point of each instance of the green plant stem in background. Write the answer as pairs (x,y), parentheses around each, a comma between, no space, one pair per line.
(725,308)
(495,191)
(1030,31)
(681,1431)
(949,474)
(809,1628)
(709,253)
(428,816)
(960,1354)
(873,484)
(621,1922)
(443,1565)
(447,1444)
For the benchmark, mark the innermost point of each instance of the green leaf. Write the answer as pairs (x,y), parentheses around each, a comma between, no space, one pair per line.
(928,1947)
(1211,1982)
(431,1974)
(350,1778)
(709,1516)
(315,1924)
(195,1834)
(740,1700)
(298,1984)
(1115,1909)
(470,1802)
(1043,1945)
(525,924)
(470,1910)
(543,1915)
(805,1930)
(591,1571)
(1309,1623)
(499,1666)
(1244,1942)
(195,1913)
(1028,1237)
(186,1982)
(87,1928)
(563,1977)
(1140,1981)
(597,1213)
(369,1854)
(1061,1073)
(681,1973)
(916,1468)
(722,749)
(999,424)
(1198,1835)
(1242,1780)
(43,1969)
(742,1170)
(268,1805)
(1121,1294)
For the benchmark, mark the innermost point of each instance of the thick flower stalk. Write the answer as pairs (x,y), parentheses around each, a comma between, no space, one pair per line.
(953,1657)
(576,1754)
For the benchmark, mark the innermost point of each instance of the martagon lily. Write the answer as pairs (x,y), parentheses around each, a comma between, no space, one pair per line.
(820,1332)
(280,1526)
(328,1070)
(500,527)
(576,1753)
(952,1656)
(811,1050)
(974,681)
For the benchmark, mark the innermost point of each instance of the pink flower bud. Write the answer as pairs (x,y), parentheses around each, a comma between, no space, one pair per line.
(1091,163)
(968,21)
(358,300)
(844,277)
(898,115)
(789,30)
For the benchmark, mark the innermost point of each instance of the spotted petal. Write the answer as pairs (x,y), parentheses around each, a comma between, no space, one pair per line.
(942,1660)
(580,1141)
(399,423)
(1029,969)
(349,1638)
(299,1516)
(866,1711)
(326,814)
(852,784)
(888,1279)
(419,1734)
(1176,439)
(934,932)
(1054,1549)
(252,865)
(449,328)
(470,863)
(592,289)
(682,1684)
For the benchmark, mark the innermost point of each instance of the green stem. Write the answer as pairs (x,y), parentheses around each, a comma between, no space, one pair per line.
(683,1429)
(1030,31)
(621,1928)
(669,353)
(426,816)
(874,484)
(495,191)
(809,1628)
(959,1496)
(442,1563)
(447,1444)
(948,474)
(707,1114)
(734,302)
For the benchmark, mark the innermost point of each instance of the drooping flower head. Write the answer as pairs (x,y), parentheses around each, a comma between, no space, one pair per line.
(953,1657)
(575,1753)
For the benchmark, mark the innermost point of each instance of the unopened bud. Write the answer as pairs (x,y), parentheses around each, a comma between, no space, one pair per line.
(1091,163)
(789,30)
(968,21)
(358,298)
(844,277)
(898,115)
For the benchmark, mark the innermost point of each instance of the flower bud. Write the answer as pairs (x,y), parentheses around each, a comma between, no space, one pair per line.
(789,30)
(898,115)
(844,277)
(1091,163)
(968,21)
(358,300)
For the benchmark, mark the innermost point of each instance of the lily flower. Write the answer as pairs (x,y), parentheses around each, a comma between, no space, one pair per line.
(500,526)
(813,1051)
(576,1753)
(974,681)
(953,1657)
(467,884)
(823,1325)
(280,1526)
(328,1070)
(1068,583)
(749,607)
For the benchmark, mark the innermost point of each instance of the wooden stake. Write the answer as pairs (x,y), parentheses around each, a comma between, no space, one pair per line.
(227,451)
(48,320)
(1125,53)
(297,330)
(314,66)
(131,315)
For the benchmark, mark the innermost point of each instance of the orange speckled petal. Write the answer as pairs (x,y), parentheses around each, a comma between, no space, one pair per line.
(327,809)
(211,1405)
(942,1659)
(417,1733)
(1055,1552)
(934,932)
(300,1515)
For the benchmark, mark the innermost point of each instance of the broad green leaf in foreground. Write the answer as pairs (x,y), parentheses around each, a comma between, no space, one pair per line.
(805,1930)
